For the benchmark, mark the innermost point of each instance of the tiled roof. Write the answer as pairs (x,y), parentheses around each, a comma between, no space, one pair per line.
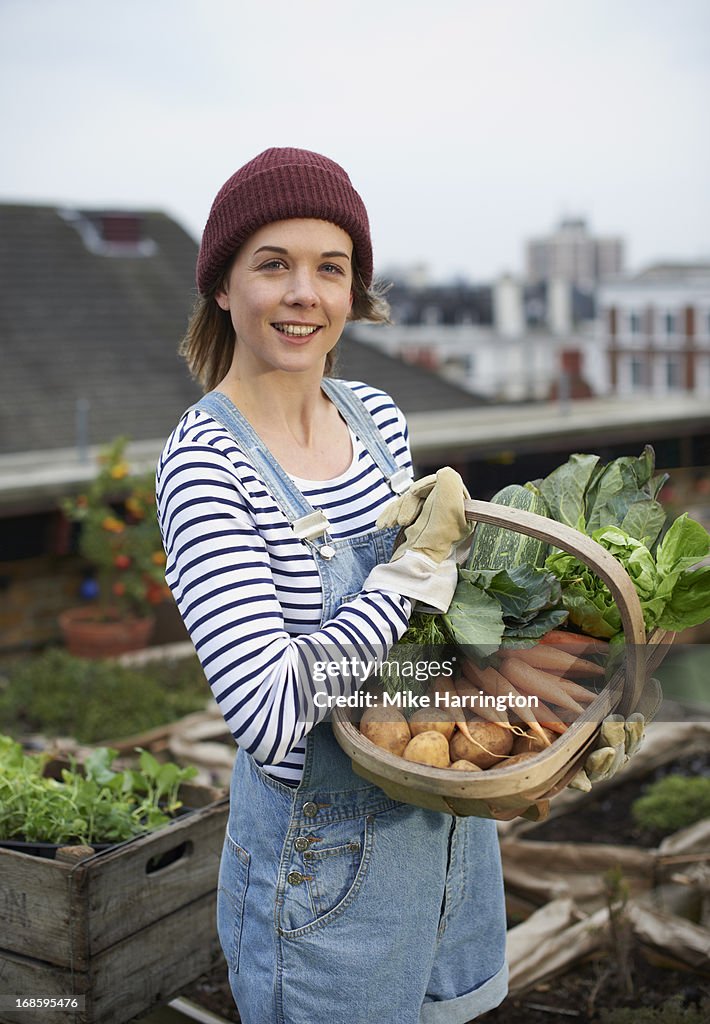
(79,321)
(78,325)
(413,388)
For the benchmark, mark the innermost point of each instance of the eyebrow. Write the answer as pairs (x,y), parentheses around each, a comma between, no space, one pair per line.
(284,252)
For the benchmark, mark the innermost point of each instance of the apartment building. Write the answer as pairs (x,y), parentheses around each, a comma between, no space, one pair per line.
(655,329)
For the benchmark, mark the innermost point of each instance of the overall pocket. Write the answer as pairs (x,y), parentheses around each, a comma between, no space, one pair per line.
(231,890)
(327,870)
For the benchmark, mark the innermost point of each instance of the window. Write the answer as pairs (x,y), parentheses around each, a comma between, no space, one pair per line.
(636,372)
(673,380)
(670,324)
(635,322)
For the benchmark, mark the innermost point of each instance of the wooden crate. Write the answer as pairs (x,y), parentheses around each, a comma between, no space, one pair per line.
(126,928)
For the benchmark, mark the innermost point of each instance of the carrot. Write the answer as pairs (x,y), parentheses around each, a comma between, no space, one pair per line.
(497,685)
(580,693)
(549,720)
(533,681)
(575,643)
(555,660)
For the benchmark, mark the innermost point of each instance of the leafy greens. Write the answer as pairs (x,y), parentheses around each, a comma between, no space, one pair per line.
(673,595)
(624,493)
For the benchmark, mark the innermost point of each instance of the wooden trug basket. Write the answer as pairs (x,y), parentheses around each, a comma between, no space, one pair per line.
(526,788)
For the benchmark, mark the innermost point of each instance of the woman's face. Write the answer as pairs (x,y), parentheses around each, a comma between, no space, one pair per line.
(289,293)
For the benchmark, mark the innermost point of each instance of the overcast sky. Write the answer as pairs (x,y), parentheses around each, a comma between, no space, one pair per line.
(467,126)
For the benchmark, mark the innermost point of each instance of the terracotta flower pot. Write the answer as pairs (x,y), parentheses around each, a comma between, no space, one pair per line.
(91,632)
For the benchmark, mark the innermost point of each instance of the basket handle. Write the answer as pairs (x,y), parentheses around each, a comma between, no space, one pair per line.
(601,562)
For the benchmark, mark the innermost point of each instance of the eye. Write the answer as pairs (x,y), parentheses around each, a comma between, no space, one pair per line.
(274,264)
(332,268)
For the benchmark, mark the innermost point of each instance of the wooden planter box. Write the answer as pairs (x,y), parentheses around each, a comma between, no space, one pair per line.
(126,928)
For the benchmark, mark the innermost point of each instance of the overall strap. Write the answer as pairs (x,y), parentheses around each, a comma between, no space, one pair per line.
(306,522)
(357,416)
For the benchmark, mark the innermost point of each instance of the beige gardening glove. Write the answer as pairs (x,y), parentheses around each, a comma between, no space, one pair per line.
(403,510)
(619,739)
(424,567)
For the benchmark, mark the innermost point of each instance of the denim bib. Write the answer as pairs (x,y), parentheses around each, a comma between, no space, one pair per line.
(336,903)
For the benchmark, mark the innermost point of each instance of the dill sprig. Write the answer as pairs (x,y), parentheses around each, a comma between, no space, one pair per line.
(425,629)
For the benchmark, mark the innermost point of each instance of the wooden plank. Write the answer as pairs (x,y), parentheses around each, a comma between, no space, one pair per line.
(154,965)
(36,908)
(126,895)
(142,971)
(24,976)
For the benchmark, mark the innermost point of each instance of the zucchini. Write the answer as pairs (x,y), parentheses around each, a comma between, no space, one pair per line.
(494,547)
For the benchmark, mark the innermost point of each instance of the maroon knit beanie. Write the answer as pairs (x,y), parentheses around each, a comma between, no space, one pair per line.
(280,184)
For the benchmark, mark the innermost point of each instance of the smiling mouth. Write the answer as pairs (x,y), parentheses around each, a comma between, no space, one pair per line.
(297,330)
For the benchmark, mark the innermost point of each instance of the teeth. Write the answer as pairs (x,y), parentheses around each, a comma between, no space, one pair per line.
(299,330)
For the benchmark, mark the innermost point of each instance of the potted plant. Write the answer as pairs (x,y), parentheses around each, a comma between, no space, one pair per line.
(96,805)
(119,537)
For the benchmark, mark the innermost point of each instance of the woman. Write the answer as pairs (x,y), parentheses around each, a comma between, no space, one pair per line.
(335,903)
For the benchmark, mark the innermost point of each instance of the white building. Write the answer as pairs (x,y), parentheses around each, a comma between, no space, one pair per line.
(654,329)
(508,361)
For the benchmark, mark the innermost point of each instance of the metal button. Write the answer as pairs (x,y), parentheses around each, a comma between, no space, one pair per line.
(302,843)
(310,809)
(294,877)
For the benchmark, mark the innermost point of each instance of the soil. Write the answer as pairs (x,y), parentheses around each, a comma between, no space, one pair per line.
(607,819)
(589,988)
(579,995)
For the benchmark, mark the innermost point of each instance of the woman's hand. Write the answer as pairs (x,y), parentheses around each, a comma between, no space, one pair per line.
(423,567)
(440,524)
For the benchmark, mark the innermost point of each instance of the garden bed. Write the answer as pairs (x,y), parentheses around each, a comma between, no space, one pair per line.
(592,989)
(57,694)
(607,818)
(580,994)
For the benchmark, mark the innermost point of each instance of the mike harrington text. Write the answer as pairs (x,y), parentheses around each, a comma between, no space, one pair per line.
(407,699)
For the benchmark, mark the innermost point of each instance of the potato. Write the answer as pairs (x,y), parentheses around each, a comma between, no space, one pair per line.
(386,728)
(516,759)
(426,720)
(531,741)
(492,743)
(428,748)
(465,766)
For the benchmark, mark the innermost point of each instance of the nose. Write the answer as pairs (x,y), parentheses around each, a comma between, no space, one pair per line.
(301,289)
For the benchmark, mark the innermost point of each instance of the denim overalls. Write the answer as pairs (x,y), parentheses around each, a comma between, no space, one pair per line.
(336,904)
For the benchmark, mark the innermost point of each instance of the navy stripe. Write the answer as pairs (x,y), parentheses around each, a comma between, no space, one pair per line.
(254,606)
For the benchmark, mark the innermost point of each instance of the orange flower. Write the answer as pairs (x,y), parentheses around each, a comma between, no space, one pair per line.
(158,558)
(119,470)
(119,588)
(113,525)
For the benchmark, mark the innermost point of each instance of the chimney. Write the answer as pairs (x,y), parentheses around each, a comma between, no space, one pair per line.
(559,306)
(121,228)
(508,316)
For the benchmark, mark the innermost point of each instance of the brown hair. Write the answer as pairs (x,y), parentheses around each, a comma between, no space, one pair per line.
(208,345)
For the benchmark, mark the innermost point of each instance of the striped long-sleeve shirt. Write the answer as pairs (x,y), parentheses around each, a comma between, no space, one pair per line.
(249,592)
